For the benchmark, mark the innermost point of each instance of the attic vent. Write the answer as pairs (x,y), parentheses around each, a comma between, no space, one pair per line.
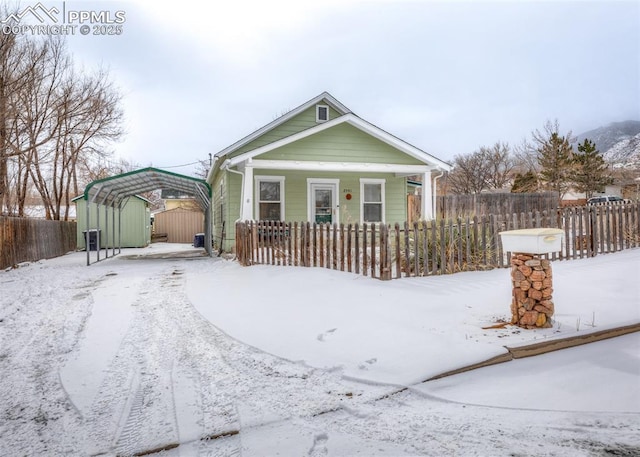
(322,113)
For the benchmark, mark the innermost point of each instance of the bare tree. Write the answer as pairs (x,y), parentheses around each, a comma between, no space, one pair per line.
(61,119)
(500,165)
(39,117)
(487,168)
(90,118)
(18,57)
(469,174)
(203,167)
(526,157)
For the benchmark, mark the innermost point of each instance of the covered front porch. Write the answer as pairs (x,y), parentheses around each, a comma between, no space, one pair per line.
(329,192)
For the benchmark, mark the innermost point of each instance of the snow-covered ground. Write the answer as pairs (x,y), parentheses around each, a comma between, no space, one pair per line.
(201,357)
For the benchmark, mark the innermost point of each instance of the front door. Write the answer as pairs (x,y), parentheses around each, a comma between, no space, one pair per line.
(323,203)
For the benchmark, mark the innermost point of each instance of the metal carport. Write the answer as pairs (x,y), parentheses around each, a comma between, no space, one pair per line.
(113,192)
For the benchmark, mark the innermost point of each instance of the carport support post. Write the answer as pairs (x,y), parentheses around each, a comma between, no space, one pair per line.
(86,232)
(120,228)
(97,232)
(106,231)
(113,231)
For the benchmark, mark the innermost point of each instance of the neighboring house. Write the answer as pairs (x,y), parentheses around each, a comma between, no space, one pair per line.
(176,199)
(319,163)
(135,226)
(573,198)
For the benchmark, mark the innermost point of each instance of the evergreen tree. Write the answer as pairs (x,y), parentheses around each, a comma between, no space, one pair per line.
(555,160)
(590,172)
(525,183)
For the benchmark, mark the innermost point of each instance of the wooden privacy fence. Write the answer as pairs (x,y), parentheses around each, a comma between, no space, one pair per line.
(433,247)
(25,240)
(453,206)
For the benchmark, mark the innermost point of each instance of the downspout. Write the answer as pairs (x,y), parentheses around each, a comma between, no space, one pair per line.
(434,195)
(212,161)
(225,166)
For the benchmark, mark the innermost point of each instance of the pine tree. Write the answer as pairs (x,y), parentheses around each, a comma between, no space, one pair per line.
(525,183)
(555,160)
(590,172)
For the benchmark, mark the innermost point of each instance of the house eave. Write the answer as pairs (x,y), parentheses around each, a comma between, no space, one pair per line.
(355,167)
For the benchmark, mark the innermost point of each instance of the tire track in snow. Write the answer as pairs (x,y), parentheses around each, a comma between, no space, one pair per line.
(131,411)
(30,362)
(163,403)
(177,379)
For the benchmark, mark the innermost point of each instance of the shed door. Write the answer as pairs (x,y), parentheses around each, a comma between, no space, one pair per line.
(324,207)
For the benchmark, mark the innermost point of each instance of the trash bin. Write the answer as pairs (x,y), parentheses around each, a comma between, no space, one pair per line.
(93,239)
(198,240)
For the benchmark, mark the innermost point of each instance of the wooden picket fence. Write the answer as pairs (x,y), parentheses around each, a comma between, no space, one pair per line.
(25,239)
(431,247)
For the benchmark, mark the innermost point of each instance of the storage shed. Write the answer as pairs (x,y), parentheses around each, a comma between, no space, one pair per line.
(179,224)
(135,225)
(113,193)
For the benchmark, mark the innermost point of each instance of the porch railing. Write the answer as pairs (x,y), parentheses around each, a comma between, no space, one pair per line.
(431,247)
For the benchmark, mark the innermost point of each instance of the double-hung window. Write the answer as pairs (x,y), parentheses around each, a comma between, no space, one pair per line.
(270,198)
(372,200)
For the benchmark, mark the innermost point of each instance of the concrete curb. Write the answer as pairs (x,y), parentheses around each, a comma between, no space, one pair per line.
(543,348)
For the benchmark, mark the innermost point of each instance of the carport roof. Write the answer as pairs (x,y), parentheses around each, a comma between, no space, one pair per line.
(112,190)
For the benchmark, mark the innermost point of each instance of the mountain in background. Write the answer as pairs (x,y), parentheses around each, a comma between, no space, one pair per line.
(619,143)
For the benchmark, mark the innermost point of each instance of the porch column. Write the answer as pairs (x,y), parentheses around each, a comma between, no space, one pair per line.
(427,197)
(247,194)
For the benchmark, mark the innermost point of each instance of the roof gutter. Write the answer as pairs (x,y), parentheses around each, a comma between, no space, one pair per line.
(214,160)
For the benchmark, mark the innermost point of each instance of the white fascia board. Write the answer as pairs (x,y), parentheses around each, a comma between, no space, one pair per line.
(397,143)
(307,165)
(359,123)
(332,101)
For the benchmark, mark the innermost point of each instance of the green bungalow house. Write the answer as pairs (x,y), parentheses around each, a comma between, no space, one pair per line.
(319,163)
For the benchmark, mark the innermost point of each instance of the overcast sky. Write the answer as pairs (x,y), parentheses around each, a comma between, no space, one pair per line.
(448,77)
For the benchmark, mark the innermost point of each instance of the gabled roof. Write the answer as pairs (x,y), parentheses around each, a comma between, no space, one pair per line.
(326,96)
(114,189)
(360,124)
(346,116)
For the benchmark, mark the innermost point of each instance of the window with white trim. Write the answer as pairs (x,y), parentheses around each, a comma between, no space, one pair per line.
(269,198)
(322,113)
(372,200)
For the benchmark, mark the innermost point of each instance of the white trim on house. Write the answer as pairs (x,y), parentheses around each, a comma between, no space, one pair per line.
(382,183)
(334,184)
(428,202)
(308,165)
(257,180)
(325,96)
(357,122)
